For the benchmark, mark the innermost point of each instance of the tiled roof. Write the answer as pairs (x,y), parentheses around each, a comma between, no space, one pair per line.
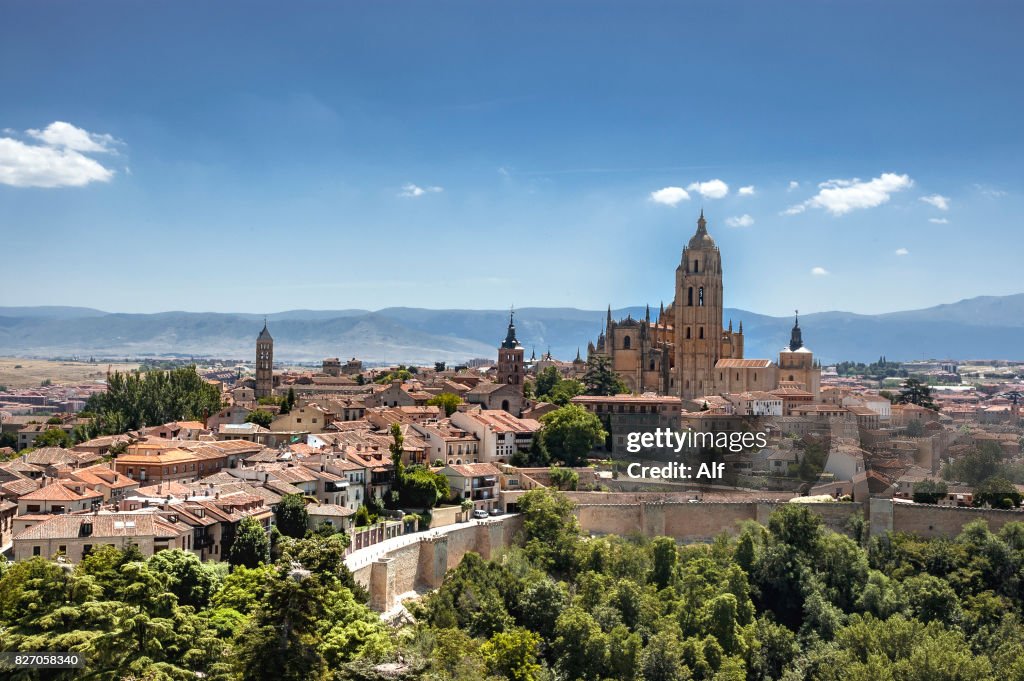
(103,525)
(743,364)
(474,470)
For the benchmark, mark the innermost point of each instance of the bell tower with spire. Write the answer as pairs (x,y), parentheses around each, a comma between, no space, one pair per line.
(264,363)
(511,367)
(698,315)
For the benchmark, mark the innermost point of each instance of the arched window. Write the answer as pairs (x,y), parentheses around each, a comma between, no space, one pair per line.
(701,333)
(626,343)
(687,333)
(695,265)
(652,364)
(689,296)
(700,297)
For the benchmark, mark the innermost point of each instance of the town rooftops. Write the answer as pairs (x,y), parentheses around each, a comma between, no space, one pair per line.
(57,491)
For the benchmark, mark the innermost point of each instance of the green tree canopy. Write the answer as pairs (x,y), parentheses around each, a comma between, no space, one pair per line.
(570,433)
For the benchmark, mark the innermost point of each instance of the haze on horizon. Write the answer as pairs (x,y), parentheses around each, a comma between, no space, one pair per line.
(464,157)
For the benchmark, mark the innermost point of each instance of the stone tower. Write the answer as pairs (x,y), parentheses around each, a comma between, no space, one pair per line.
(510,357)
(698,315)
(264,363)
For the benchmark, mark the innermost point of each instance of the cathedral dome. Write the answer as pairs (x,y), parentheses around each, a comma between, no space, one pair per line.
(701,239)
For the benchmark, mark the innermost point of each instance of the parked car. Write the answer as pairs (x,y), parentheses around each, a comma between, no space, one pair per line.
(496,511)
(479,514)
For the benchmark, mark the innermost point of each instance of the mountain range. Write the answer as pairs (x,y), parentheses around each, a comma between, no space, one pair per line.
(987,327)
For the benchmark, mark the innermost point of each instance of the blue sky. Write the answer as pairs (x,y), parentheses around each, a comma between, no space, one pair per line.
(238,157)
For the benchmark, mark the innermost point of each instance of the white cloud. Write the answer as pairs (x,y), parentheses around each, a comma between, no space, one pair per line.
(740,221)
(66,136)
(746,191)
(902,251)
(58,161)
(839,197)
(990,192)
(819,271)
(712,189)
(412,191)
(670,196)
(938,221)
(938,200)
(793,184)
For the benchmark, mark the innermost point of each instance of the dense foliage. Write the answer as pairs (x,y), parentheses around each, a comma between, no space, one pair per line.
(173,617)
(601,379)
(790,601)
(134,400)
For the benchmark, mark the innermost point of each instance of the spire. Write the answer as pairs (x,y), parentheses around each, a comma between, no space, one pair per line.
(609,313)
(796,340)
(730,326)
(579,359)
(741,326)
(264,334)
(702,224)
(533,353)
(647,314)
(510,338)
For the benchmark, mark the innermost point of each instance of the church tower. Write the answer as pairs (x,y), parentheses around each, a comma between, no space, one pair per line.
(510,357)
(698,316)
(264,363)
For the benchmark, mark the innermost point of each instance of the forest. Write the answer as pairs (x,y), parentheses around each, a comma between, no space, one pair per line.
(790,600)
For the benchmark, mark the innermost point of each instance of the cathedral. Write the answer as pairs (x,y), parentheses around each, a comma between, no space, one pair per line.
(686,351)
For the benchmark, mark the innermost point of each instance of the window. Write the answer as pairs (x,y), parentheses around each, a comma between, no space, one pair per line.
(35,550)
(700,297)
(701,335)
(687,333)
(695,265)
(626,342)
(689,296)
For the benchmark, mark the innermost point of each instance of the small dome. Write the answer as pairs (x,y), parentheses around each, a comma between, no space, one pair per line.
(701,239)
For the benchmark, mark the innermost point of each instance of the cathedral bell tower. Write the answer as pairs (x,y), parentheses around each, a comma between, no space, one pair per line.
(510,357)
(698,316)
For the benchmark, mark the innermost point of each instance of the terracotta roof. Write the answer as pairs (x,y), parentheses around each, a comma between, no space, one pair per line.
(57,491)
(474,470)
(69,526)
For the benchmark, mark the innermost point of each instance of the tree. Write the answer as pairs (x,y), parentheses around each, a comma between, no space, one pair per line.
(186,577)
(665,557)
(439,366)
(261,417)
(513,655)
(397,448)
(570,433)
(915,391)
(564,391)
(251,546)
(547,379)
(136,399)
(550,530)
(997,492)
(600,379)
(930,491)
(54,437)
(564,478)
(450,402)
(292,516)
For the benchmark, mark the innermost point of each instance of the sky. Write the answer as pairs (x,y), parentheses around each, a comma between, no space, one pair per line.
(244,157)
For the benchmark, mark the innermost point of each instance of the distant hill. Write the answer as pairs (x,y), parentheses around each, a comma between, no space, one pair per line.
(984,327)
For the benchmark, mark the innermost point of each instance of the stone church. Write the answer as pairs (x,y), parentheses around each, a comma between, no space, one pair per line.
(687,351)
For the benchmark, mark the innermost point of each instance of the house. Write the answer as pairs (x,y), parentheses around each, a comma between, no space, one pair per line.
(309,418)
(234,414)
(499,433)
(755,403)
(338,517)
(449,444)
(476,482)
(76,535)
(505,396)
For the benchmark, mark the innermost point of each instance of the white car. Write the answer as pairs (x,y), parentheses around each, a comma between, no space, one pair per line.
(479,514)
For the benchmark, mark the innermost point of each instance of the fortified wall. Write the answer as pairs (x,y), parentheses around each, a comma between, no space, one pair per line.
(422,565)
